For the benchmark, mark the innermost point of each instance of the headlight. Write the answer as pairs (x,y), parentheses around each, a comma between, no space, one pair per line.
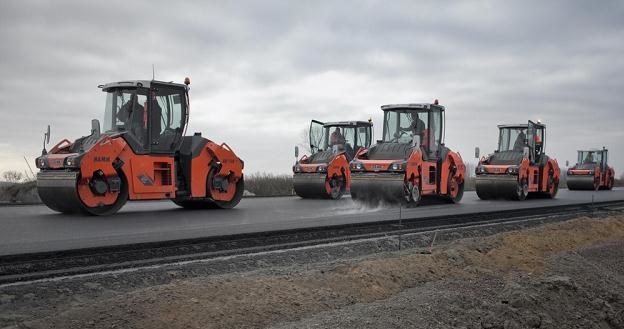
(480,170)
(512,170)
(322,168)
(356,166)
(398,166)
(569,172)
(591,172)
(297,168)
(71,162)
(41,163)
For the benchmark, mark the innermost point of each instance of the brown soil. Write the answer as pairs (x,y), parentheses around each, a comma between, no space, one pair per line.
(261,299)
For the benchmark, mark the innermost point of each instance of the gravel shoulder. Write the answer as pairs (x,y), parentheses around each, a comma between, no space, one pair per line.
(563,275)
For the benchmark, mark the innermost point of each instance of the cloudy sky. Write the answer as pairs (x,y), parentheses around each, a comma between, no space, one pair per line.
(261,70)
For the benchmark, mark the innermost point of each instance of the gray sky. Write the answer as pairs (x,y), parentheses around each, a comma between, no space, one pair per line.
(260,70)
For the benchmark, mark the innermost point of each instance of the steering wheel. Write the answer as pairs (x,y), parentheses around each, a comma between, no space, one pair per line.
(398,135)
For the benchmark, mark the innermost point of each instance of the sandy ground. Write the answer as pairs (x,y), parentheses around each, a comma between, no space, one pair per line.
(565,275)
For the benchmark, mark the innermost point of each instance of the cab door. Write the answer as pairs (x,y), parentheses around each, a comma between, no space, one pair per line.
(531,135)
(317,136)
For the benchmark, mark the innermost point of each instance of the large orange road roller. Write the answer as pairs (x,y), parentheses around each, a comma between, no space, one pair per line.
(591,172)
(142,154)
(325,173)
(519,166)
(411,161)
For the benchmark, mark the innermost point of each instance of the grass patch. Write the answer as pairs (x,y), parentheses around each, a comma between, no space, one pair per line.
(263,184)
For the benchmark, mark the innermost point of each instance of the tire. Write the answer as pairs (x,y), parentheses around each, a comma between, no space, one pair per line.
(460,192)
(412,195)
(611,183)
(522,190)
(553,188)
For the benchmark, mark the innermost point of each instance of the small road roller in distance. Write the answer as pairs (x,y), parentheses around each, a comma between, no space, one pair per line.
(325,173)
(519,166)
(141,155)
(591,171)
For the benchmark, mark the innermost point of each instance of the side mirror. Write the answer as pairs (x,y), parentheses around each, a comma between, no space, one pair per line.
(477,152)
(296,151)
(46,140)
(95,127)
(567,163)
(47,135)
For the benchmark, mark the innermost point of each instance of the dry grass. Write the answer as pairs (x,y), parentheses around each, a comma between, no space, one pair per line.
(25,192)
(263,184)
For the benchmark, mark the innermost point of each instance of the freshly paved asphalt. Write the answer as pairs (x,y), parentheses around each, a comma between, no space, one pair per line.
(25,229)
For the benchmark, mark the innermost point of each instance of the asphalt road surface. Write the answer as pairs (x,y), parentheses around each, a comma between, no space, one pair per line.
(25,229)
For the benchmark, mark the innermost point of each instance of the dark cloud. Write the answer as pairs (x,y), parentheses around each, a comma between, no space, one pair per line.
(262,70)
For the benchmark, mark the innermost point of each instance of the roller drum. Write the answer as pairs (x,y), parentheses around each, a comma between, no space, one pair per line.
(377,187)
(581,182)
(310,185)
(496,187)
(57,190)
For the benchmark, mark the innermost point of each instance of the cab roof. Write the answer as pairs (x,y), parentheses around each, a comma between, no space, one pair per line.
(412,106)
(348,124)
(594,150)
(140,84)
(520,125)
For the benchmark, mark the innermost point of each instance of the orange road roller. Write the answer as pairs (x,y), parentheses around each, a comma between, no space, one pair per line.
(410,161)
(325,173)
(142,154)
(591,172)
(519,166)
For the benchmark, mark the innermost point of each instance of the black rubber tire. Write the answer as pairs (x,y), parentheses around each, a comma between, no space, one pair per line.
(553,188)
(521,192)
(412,195)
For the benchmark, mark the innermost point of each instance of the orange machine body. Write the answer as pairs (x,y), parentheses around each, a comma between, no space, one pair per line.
(411,161)
(325,173)
(591,172)
(518,168)
(141,160)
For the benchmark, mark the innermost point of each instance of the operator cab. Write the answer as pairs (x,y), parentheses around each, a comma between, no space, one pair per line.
(418,125)
(514,139)
(344,136)
(588,159)
(152,115)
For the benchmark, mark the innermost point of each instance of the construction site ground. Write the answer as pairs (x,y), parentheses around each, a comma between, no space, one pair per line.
(563,275)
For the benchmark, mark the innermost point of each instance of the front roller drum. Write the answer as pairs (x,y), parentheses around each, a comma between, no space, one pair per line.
(500,187)
(59,191)
(585,182)
(310,186)
(378,188)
